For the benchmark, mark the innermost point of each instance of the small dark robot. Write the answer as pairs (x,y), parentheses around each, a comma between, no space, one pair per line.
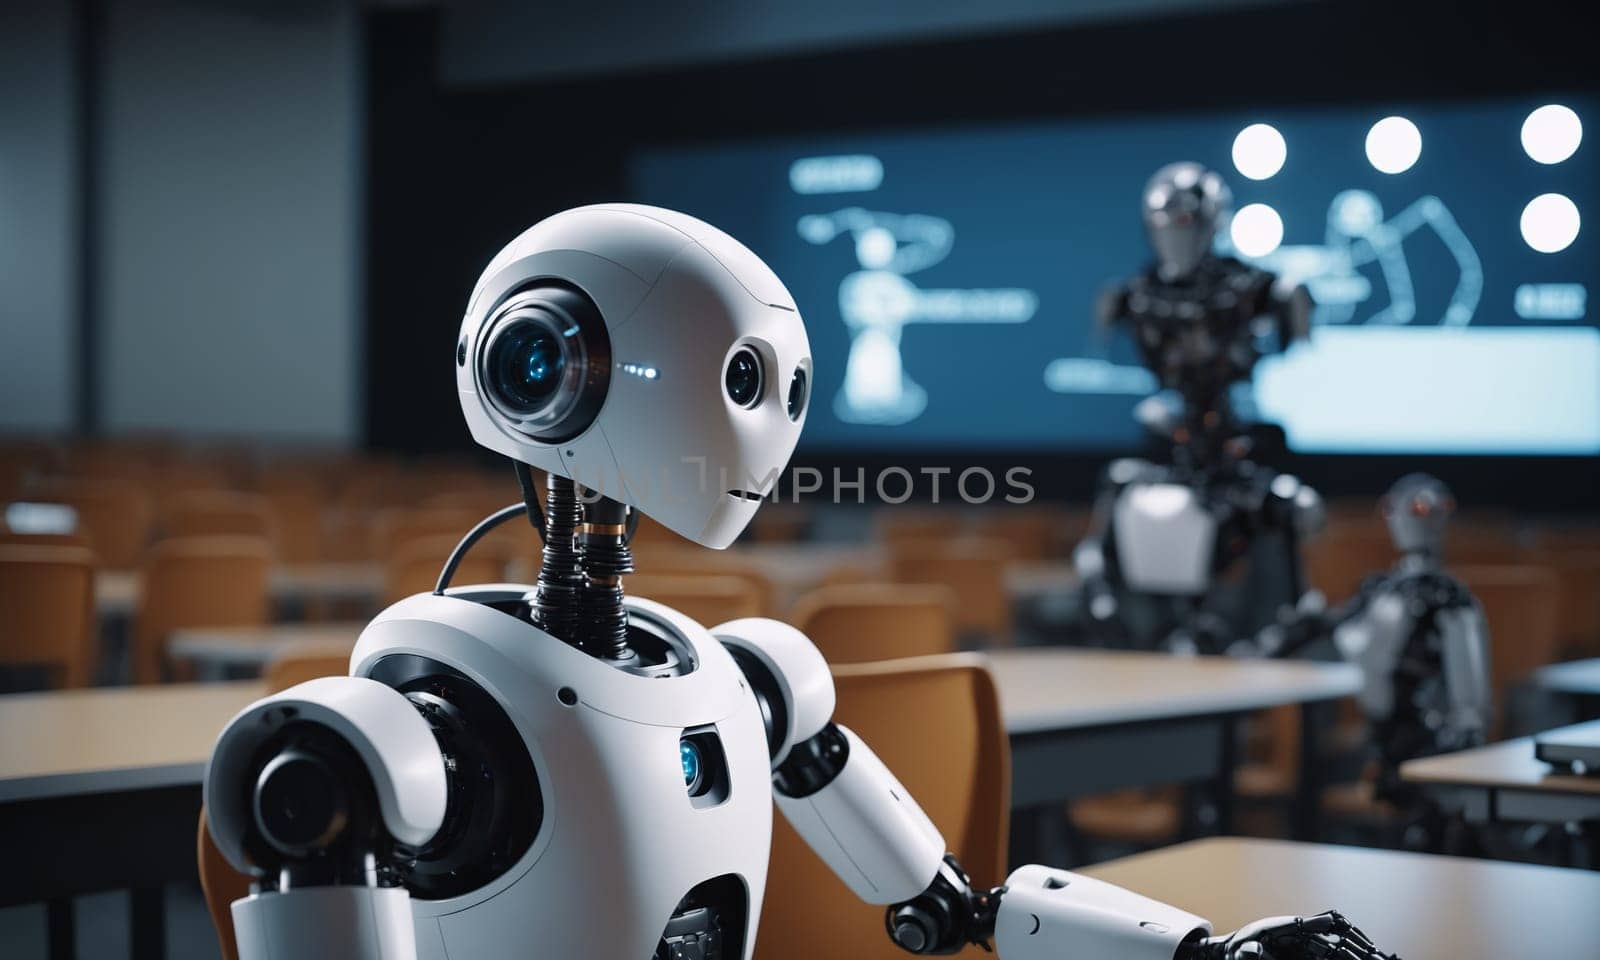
(1161,564)
(1422,644)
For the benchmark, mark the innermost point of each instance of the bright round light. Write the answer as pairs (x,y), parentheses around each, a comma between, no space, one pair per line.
(1394,144)
(1256,230)
(1259,151)
(1550,223)
(1552,133)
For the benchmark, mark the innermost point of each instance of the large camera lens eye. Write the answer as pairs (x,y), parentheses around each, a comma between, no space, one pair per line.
(797,393)
(544,363)
(526,363)
(743,378)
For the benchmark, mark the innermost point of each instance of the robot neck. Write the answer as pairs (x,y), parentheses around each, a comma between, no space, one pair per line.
(1419,560)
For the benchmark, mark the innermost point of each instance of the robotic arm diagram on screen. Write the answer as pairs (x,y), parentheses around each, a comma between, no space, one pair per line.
(1358,235)
(877,302)
(1442,243)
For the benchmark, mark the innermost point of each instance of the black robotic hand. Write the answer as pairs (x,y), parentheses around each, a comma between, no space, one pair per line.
(1326,935)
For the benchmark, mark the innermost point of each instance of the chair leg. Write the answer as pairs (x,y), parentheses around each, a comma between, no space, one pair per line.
(60,931)
(148,923)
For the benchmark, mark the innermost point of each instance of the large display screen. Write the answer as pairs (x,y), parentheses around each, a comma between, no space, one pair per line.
(948,277)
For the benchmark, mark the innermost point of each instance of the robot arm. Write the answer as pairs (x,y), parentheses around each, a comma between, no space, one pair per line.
(864,824)
(1432,212)
(920,240)
(1294,308)
(318,792)
(1464,643)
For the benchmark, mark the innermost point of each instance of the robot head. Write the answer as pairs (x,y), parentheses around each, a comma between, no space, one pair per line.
(1354,213)
(1184,204)
(876,247)
(643,353)
(1418,509)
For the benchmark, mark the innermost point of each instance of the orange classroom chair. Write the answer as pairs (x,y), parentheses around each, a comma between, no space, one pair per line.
(864,622)
(47,613)
(936,723)
(197,582)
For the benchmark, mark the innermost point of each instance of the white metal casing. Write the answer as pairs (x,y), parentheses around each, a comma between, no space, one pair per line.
(802,675)
(678,297)
(1165,538)
(620,843)
(1464,643)
(325,923)
(391,738)
(868,829)
(1048,914)
(1374,641)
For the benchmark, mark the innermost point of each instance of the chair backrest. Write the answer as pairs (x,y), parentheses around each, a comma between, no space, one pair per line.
(936,723)
(864,622)
(397,528)
(297,519)
(974,568)
(662,558)
(197,582)
(1522,605)
(47,613)
(708,599)
(219,881)
(218,514)
(414,566)
(1036,532)
(118,517)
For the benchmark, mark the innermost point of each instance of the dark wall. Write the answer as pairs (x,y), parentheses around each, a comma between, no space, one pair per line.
(453,175)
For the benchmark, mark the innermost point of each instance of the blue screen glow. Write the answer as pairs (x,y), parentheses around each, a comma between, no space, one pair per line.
(948,277)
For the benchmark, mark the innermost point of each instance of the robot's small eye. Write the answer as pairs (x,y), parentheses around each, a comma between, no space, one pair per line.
(689,754)
(743,378)
(797,393)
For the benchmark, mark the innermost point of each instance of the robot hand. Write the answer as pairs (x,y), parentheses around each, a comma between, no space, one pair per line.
(1329,935)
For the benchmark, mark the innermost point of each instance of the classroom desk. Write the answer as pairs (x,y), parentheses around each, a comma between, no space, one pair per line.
(103,791)
(1503,781)
(100,790)
(116,592)
(218,652)
(1577,677)
(1417,905)
(1083,722)
(1577,680)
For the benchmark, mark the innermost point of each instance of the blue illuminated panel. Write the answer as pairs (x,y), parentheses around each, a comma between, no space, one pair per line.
(948,277)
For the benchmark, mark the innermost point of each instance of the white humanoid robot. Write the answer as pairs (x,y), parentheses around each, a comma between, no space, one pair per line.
(1166,535)
(556,770)
(1421,641)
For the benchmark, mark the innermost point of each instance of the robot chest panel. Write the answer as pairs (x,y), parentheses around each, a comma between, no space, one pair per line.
(1165,539)
(640,819)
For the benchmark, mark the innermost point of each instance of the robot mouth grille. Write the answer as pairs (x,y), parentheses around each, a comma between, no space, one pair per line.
(745,495)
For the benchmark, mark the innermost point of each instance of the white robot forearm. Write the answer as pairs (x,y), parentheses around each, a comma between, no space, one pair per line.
(1465,653)
(853,812)
(869,830)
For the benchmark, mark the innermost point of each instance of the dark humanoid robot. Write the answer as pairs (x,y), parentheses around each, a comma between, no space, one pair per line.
(1421,642)
(1161,564)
